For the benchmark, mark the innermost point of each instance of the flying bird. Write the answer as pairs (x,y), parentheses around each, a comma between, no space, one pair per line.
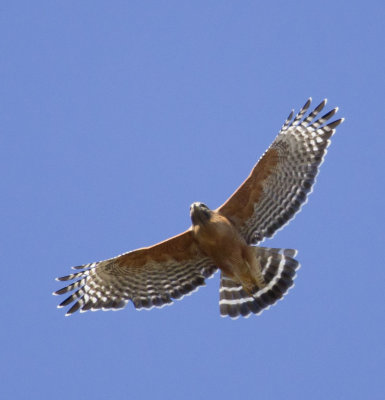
(252,277)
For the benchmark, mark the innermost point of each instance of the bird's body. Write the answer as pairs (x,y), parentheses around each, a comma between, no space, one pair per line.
(218,238)
(252,277)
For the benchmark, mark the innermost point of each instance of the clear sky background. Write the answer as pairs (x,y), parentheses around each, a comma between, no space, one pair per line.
(114,117)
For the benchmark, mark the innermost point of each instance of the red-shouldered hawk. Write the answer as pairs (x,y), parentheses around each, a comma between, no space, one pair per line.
(252,277)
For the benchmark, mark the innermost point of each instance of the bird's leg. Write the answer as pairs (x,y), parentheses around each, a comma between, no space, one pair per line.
(255,269)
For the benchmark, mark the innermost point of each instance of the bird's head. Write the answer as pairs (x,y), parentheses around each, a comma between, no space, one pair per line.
(199,213)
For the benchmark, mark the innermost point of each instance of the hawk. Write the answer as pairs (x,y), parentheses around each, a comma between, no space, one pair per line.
(252,277)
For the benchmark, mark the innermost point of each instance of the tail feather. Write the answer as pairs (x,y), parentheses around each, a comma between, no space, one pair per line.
(278,270)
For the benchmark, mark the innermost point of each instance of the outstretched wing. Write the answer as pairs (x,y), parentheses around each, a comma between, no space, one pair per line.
(280,182)
(149,277)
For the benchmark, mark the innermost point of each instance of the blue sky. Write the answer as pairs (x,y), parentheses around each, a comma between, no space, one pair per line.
(114,118)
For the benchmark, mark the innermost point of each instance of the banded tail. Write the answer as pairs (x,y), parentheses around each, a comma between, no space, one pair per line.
(278,270)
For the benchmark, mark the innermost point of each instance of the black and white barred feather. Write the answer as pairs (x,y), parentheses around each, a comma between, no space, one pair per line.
(107,285)
(278,270)
(301,145)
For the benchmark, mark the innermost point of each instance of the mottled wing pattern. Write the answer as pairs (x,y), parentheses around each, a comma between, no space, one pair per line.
(278,270)
(282,179)
(149,277)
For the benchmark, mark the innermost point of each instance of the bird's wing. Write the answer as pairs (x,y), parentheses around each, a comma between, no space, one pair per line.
(149,277)
(282,179)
